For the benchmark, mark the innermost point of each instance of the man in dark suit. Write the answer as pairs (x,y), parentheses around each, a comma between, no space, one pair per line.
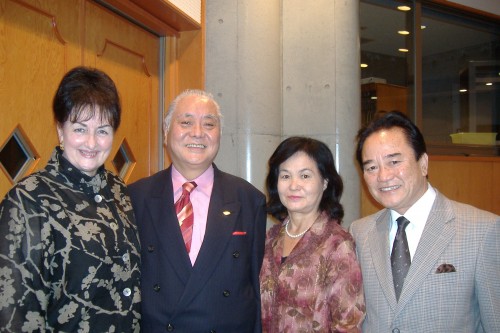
(205,277)
(446,275)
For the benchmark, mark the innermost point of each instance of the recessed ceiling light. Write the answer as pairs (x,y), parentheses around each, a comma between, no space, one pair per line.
(489,84)
(403,50)
(364,65)
(422,27)
(403,32)
(404,8)
(463,90)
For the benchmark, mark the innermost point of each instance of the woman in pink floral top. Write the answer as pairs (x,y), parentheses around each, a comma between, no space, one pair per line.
(310,278)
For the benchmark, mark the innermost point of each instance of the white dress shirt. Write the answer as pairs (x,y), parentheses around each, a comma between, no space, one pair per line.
(417,215)
(200,199)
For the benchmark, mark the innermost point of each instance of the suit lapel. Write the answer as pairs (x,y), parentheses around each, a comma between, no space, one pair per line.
(163,217)
(438,232)
(223,212)
(379,245)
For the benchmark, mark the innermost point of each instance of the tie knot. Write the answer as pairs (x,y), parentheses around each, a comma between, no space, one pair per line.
(189,186)
(402,222)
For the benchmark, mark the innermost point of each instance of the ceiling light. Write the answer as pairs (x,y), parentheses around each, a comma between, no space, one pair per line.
(403,32)
(403,50)
(463,90)
(489,84)
(364,65)
(422,27)
(404,8)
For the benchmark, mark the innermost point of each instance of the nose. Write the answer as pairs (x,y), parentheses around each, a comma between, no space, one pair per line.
(294,184)
(384,174)
(91,141)
(196,130)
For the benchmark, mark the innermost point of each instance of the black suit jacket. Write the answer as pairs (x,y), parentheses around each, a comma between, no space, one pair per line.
(220,293)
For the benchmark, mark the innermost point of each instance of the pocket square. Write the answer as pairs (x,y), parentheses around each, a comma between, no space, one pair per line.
(239,233)
(445,268)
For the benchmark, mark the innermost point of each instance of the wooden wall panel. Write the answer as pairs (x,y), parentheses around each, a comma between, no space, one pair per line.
(471,180)
(191,60)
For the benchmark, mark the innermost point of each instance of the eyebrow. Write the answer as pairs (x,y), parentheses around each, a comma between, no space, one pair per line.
(301,170)
(206,116)
(385,158)
(212,116)
(392,155)
(85,125)
(367,162)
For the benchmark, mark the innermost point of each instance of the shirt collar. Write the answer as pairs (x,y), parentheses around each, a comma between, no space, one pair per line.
(204,181)
(419,212)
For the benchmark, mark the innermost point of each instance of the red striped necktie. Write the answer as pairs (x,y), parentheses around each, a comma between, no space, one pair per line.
(184,210)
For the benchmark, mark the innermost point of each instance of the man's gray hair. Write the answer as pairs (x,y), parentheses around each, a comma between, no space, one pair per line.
(190,92)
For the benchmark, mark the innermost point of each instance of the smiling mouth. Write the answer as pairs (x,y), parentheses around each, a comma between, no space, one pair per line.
(196,145)
(88,154)
(389,188)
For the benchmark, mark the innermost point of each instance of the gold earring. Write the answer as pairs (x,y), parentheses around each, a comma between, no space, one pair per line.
(61,145)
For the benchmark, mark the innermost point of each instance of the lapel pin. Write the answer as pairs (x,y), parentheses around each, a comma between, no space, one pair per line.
(226,212)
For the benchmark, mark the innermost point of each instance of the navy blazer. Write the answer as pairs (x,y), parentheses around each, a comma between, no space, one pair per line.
(220,293)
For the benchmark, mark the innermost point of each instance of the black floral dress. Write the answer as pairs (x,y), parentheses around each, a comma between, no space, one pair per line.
(69,253)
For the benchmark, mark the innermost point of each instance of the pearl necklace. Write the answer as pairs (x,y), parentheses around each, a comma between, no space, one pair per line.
(302,233)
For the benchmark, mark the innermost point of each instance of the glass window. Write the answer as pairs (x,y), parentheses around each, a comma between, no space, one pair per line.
(460,74)
(446,62)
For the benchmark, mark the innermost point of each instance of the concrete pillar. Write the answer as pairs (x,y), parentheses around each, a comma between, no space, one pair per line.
(321,82)
(243,71)
(282,68)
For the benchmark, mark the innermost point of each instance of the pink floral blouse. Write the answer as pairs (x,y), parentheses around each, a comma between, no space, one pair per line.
(318,287)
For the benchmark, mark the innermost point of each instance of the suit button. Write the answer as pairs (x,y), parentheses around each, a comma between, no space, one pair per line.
(396,330)
(226,293)
(236,254)
(151,248)
(156,287)
(127,292)
(98,198)
(170,327)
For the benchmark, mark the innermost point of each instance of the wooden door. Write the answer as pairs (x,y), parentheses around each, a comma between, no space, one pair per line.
(42,40)
(37,45)
(130,55)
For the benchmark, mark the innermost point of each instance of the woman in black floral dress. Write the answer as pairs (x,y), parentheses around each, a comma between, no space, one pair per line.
(69,251)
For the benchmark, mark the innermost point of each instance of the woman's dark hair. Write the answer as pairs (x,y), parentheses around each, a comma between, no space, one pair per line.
(388,120)
(82,93)
(321,154)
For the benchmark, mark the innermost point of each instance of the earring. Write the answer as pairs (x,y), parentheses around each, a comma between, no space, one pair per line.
(61,145)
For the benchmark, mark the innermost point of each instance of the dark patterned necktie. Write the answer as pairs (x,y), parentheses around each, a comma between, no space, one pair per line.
(400,256)
(184,211)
